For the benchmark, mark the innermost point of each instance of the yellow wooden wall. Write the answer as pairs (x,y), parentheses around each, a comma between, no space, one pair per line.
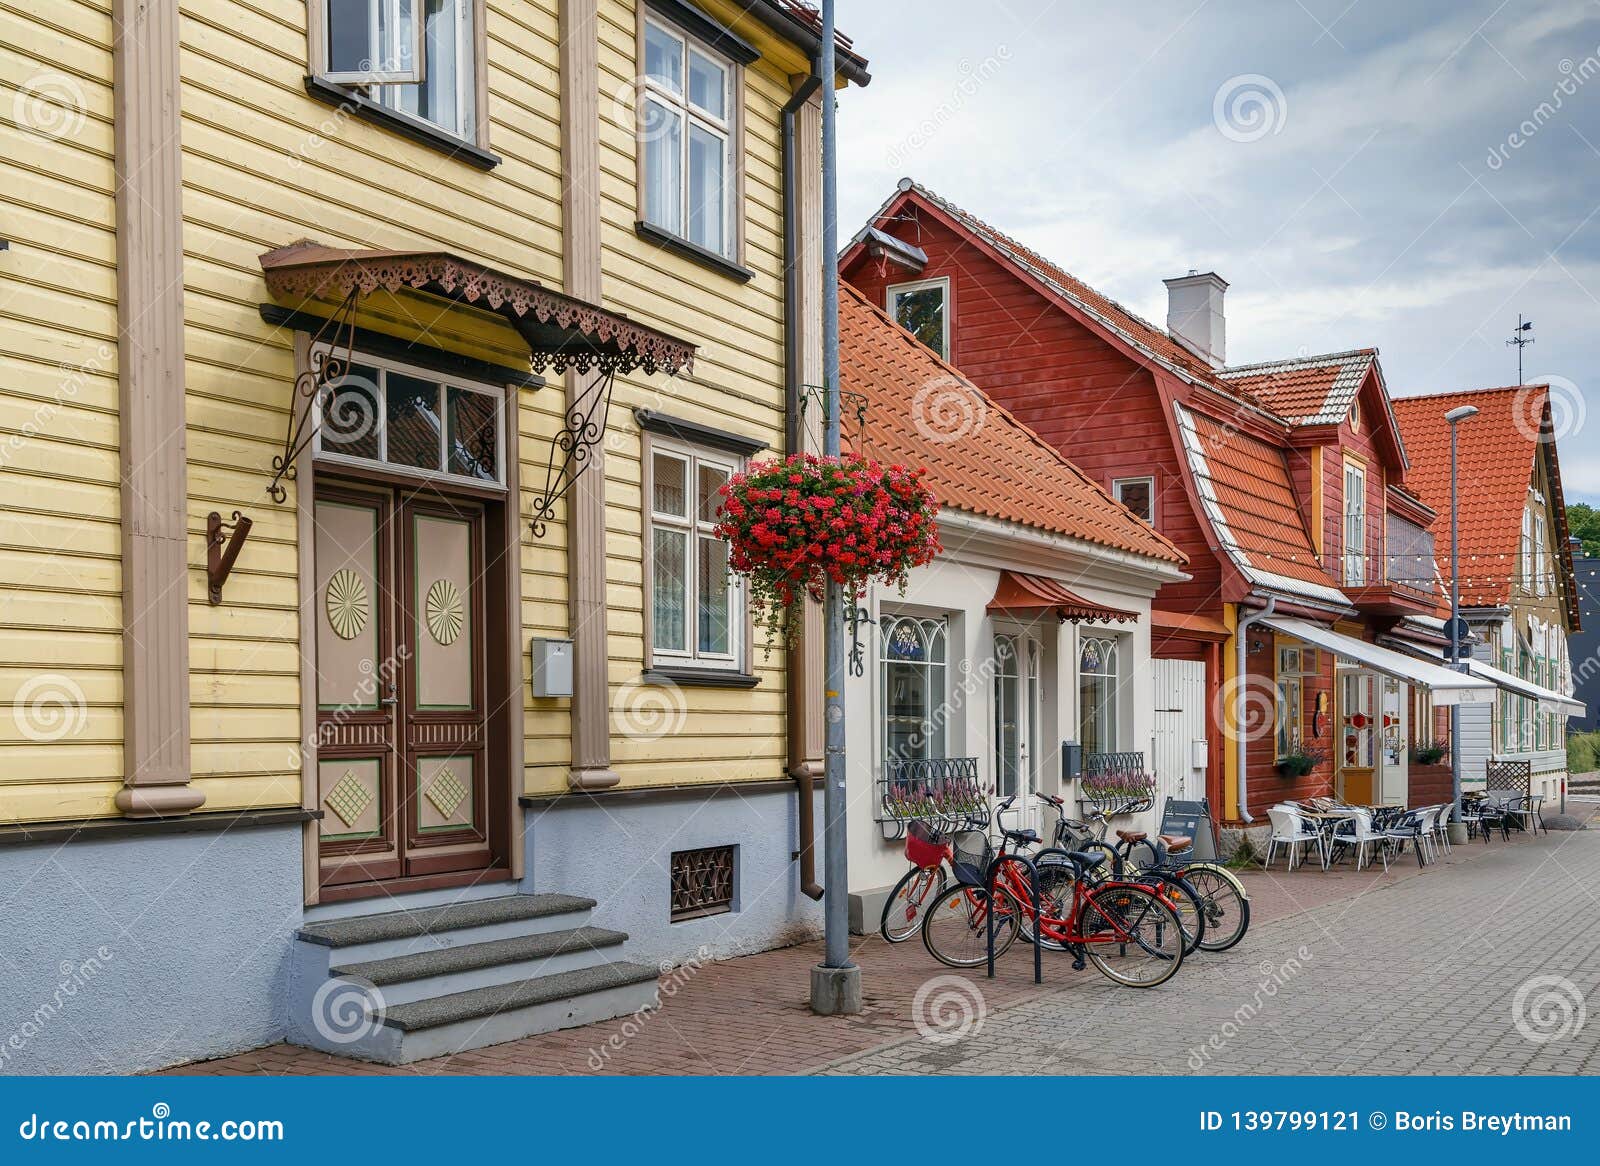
(60,578)
(265,165)
(737,384)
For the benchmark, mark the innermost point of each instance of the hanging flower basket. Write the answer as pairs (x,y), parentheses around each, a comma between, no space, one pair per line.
(795,525)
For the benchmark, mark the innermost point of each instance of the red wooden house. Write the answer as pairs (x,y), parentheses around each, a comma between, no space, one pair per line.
(1284,483)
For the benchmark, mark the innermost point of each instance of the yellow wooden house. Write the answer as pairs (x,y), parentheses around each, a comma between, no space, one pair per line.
(369,371)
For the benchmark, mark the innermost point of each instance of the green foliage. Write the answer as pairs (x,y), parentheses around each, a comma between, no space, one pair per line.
(1583,753)
(1584,522)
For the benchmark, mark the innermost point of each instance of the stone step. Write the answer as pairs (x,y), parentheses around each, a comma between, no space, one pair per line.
(392,934)
(408,979)
(481,1017)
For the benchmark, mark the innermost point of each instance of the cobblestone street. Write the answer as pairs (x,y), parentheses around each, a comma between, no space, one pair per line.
(1482,964)
(1406,972)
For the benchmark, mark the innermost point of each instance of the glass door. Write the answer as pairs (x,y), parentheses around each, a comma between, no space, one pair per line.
(1017,698)
(1358,736)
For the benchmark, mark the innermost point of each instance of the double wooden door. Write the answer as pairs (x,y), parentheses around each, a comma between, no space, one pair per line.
(400,686)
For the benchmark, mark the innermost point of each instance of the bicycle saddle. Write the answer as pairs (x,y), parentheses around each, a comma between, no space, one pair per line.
(1132,836)
(1087,861)
(1026,837)
(1175,843)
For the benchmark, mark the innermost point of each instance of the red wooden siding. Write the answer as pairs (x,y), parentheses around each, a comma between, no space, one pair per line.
(1100,409)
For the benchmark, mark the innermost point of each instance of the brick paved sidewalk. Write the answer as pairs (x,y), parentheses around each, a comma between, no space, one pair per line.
(750,1015)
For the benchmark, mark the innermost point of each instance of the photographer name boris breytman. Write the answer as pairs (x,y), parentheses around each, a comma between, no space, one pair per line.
(1399,1121)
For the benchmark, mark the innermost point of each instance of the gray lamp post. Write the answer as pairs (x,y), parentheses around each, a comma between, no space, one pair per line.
(1458,830)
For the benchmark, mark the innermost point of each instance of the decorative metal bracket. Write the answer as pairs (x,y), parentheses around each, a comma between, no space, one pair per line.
(326,365)
(583,431)
(848,402)
(856,616)
(224,541)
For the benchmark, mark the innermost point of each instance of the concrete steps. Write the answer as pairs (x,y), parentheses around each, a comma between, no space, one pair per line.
(403,985)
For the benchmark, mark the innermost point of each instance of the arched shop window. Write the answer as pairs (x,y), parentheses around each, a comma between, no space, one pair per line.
(913,680)
(1097,695)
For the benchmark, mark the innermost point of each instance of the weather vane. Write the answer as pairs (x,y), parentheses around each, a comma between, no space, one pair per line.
(1521,339)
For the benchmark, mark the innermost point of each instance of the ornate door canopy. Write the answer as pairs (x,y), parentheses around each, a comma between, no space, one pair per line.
(562,332)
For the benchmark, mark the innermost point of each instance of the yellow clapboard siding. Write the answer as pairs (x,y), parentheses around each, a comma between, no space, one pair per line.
(59,800)
(251,791)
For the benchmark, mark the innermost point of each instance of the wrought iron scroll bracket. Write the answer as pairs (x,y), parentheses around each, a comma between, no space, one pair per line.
(583,432)
(850,403)
(857,616)
(224,541)
(332,349)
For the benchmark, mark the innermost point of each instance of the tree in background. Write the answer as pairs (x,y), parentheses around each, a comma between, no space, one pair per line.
(1584,522)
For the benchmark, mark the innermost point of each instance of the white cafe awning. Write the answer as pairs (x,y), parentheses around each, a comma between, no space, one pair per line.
(1448,687)
(1552,700)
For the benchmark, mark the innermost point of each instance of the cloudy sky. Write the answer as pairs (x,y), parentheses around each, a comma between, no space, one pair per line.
(1408,175)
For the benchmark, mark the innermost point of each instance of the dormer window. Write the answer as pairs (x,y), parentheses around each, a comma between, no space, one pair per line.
(923,309)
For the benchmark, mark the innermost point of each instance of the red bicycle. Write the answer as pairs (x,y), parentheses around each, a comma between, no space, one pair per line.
(1126,929)
(929,854)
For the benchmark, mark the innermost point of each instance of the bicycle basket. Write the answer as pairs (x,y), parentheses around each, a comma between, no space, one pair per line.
(1072,835)
(972,856)
(924,845)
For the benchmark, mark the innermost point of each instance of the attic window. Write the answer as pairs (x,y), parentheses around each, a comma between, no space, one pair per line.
(1355,417)
(923,309)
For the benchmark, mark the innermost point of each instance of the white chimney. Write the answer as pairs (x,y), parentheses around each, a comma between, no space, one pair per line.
(1195,317)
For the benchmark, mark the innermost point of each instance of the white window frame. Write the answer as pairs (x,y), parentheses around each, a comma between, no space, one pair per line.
(894,291)
(1111,717)
(383,89)
(1355,556)
(496,393)
(689,655)
(1147,480)
(728,129)
(935,734)
(321,14)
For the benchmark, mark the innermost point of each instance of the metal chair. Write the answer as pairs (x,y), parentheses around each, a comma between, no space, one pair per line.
(1290,831)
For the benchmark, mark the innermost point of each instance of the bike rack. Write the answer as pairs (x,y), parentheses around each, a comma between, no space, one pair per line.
(1038,909)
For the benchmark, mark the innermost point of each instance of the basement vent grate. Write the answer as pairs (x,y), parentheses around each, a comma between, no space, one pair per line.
(702,882)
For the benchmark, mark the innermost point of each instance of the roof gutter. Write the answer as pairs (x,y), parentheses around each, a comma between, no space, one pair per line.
(1241,694)
(777,18)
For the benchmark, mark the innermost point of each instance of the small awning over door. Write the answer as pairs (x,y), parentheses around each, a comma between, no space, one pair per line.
(1448,687)
(1552,700)
(1021,594)
(562,332)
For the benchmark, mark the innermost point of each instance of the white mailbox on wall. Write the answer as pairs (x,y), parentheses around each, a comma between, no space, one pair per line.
(552,667)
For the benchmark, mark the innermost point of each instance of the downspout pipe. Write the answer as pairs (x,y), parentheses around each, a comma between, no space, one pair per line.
(793,377)
(1240,695)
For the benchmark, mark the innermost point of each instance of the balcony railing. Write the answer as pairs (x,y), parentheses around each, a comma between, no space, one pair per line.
(943,790)
(1400,556)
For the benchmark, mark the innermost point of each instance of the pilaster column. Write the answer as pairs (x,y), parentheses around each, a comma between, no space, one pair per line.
(586,501)
(150,375)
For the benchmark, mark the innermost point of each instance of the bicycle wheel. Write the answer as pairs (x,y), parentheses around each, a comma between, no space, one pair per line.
(1185,903)
(1112,866)
(902,912)
(1131,935)
(955,928)
(1055,891)
(1143,856)
(1227,907)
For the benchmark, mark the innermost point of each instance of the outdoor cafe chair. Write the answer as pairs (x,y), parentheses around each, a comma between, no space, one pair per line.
(1415,827)
(1289,830)
(1358,834)
(1527,812)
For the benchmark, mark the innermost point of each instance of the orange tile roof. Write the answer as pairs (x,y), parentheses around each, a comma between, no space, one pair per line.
(980,459)
(1308,390)
(1245,490)
(1497,457)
